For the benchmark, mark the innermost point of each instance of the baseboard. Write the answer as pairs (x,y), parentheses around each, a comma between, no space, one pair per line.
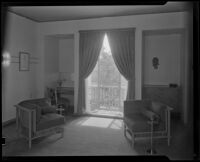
(8,122)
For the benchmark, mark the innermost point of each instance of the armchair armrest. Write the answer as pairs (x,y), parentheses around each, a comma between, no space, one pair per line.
(26,117)
(169,108)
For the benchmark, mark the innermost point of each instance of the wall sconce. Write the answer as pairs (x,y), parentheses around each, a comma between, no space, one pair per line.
(155,62)
(6,59)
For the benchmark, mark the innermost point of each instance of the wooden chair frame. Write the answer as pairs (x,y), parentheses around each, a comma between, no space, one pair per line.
(156,134)
(32,132)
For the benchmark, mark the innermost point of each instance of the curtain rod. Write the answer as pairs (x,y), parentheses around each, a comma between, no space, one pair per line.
(107,30)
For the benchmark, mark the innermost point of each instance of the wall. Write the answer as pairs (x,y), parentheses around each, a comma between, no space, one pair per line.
(66,55)
(58,58)
(167,48)
(66,59)
(18,85)
(140,22)
(51,60)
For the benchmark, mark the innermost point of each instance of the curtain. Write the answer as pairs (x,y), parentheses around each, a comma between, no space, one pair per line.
(90,46)
(122,48)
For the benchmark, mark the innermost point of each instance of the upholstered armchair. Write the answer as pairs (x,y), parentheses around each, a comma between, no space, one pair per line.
(36,118)
(139,113)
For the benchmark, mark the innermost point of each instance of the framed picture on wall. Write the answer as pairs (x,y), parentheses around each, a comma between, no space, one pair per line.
(24,61)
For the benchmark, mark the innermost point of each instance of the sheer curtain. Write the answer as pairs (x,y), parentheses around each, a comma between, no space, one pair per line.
(122,44)
(89,49)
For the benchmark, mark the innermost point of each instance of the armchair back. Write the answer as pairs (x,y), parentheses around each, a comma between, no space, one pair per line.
(34,104)
(135,106)
(148,108)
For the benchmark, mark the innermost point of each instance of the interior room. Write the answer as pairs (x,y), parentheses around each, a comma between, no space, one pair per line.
(98,80)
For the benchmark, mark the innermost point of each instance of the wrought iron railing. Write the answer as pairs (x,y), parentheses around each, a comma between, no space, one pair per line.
(106,97)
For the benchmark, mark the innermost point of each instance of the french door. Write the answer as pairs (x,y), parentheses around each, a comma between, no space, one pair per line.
(106,88)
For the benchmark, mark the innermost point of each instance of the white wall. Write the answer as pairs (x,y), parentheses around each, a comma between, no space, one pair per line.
(66,60)
(51,60)
(66,55)
(58,57)
(140,22)
(18,85)
(167,48)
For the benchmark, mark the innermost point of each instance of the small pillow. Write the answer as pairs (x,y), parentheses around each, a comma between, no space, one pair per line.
(48,101)
(159,108)
(156,106)
(151,115)
(48,109)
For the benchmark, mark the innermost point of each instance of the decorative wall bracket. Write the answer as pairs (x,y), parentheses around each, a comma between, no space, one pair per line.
(155,62)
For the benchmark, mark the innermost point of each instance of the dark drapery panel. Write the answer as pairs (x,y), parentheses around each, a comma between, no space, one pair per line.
(122,44)
(89,49)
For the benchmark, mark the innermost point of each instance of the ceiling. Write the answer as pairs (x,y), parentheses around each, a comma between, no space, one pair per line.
(64,13)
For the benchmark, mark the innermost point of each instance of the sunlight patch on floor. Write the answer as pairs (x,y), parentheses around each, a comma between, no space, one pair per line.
(117,124)
(102,123)
(107,112)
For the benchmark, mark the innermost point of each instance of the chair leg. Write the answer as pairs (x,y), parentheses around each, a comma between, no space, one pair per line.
(29,143)
(62,133)
(18,132)
(133,140)
(168,140)
(30,130)
(168,129)
(124,130)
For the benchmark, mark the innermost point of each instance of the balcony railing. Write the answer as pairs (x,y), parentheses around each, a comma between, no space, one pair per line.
(106,97)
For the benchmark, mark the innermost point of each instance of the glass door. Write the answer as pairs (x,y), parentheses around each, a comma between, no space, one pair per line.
(106,87)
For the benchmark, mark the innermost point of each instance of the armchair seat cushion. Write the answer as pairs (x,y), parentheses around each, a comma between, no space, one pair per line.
(50,120)
(137,122)
(48,109)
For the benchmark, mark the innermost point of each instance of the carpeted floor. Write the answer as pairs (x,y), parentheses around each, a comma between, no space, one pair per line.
(90,136)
